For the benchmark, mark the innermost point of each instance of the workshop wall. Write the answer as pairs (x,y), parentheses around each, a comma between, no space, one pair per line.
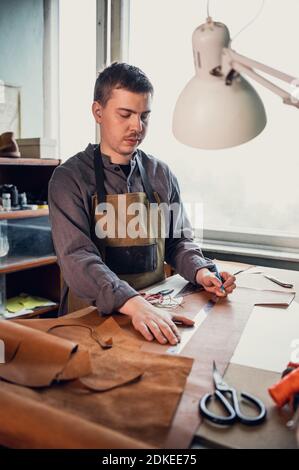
(21,58)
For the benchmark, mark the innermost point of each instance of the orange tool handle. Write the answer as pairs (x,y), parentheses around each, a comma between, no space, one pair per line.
(283,391)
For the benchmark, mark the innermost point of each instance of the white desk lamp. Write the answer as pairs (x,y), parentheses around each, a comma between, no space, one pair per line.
(218,108)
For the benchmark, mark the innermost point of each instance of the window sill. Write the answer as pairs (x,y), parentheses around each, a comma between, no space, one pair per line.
(247,245)
(254,251)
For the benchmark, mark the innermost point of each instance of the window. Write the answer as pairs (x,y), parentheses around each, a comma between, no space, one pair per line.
(77,41)
(252,188)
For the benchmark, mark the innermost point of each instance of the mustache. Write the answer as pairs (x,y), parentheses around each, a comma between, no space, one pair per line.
(134,136)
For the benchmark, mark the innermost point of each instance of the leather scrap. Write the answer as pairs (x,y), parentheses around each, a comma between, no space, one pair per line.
(89,322)
(79,365)
(256,280)
(29,423)
(105,344)
(37,359)
(34,358)
(98,383)
(136,414)
(250,296)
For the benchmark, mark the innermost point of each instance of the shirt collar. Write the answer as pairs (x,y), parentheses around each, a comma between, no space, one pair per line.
(107,162)
(90,149)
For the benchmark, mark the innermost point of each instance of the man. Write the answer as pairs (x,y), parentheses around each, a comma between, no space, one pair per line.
(107,270)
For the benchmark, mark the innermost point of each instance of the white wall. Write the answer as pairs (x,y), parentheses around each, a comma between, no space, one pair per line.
(21,58)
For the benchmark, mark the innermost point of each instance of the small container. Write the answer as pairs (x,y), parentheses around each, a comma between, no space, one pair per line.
(6,201)
(22,199)
(13,191)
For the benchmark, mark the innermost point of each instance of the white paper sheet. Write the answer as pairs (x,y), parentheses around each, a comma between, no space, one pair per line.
(175,282)
(270,339)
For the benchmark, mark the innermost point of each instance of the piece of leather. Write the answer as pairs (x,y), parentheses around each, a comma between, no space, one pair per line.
(215,339)
(34,359)
(108,382)
(156,395)
(250,296)
(259,282)
(142,410)
(8,145)
(105,344)
(271,434)
(27,422)
(79,365)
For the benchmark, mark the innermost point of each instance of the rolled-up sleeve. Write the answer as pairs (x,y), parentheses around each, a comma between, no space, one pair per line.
(81,264)
(181,252)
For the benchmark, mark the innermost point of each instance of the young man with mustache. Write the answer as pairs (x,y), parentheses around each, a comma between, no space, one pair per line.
(108,271)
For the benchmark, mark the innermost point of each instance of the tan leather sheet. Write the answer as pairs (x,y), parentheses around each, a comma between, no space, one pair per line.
(29,423)
(258,281)
(36,359)
(272,434)
(142,410)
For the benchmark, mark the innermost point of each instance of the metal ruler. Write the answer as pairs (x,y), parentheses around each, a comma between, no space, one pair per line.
(189,332)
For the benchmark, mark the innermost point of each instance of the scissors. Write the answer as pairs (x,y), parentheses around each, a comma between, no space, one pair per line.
(165,292)
(232,408)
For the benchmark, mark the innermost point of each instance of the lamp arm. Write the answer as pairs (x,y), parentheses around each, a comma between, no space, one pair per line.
(231,60)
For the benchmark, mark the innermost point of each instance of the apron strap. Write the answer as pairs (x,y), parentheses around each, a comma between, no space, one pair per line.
(145,181)
(99,174)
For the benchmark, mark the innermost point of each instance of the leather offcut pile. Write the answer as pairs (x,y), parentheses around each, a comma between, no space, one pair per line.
(83,382)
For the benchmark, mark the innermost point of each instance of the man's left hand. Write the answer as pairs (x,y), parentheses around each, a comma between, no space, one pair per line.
(210,282)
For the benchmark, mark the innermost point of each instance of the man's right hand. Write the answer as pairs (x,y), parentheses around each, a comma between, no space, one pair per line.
(153,322)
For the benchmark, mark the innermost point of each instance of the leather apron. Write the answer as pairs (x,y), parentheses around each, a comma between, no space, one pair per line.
(139,260)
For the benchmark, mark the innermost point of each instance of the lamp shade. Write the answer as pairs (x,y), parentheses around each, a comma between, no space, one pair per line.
(210,114)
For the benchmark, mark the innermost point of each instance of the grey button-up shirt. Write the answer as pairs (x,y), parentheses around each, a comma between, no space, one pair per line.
(70,202)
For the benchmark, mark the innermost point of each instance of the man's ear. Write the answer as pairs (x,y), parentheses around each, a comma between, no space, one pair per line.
(97,111)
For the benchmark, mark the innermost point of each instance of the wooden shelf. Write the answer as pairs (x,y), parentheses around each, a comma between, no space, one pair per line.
(37,275)
(23,214)
(14,264)
(30,161)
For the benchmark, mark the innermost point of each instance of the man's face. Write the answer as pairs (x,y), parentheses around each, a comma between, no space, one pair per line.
(123,121)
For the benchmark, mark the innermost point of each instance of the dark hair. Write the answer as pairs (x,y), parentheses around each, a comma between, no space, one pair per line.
(120,75)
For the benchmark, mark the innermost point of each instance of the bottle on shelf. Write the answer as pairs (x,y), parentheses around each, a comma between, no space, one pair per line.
(6,202)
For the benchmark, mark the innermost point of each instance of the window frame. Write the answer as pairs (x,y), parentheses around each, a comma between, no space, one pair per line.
(243,242)
(261,244)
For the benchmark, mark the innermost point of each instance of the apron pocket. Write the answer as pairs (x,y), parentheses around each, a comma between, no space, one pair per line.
(131,259)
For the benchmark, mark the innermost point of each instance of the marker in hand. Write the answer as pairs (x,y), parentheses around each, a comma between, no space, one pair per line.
(217,274)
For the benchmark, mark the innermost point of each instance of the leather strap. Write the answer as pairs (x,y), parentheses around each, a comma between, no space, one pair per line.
(99,173)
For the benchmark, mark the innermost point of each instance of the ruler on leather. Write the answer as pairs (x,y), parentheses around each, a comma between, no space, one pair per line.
(189,332)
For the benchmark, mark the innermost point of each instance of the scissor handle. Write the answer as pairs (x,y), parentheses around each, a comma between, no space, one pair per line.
(234,412)
(259,405)
(165,292)
(223,420)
